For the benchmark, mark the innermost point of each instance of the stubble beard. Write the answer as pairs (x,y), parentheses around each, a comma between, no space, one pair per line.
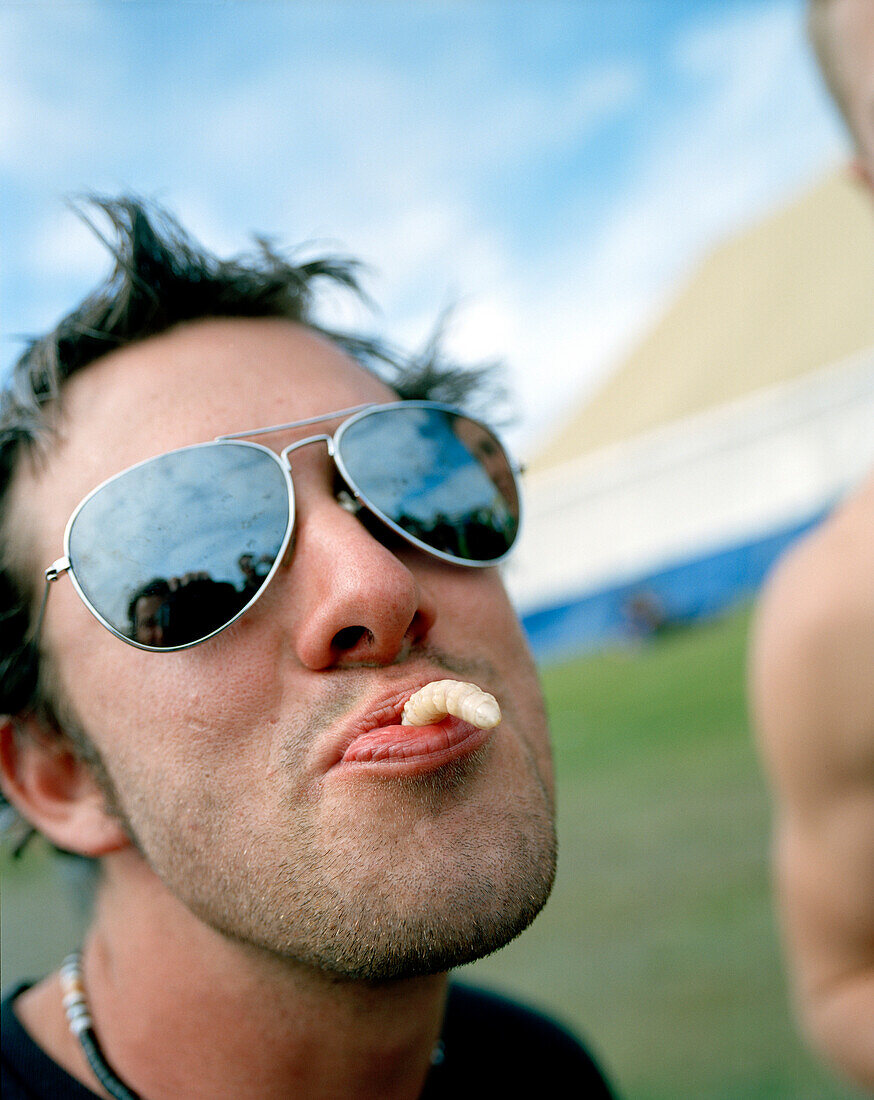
(363,907)
(341,896)
(385,912)
(353,904)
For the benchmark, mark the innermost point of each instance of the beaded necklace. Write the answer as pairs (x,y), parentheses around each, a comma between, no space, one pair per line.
(82,1027)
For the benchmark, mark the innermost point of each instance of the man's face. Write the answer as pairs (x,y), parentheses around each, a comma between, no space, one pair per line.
(226,758)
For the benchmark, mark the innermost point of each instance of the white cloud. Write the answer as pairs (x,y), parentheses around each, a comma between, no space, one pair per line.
(400,162)
(756,133)
(562,320)
(511,122)
(201,214)
(58,75)
(63,248)
(371,135)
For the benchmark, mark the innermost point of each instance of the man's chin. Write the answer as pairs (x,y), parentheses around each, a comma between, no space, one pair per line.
(391,950)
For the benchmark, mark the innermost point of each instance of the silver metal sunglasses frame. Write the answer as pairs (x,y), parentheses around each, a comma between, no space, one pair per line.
(353,504)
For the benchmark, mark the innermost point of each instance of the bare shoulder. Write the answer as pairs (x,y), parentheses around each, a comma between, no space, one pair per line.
(812,695)
(829,575)
(813,645)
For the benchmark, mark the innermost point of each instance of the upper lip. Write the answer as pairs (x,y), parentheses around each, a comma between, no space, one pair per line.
(381,709)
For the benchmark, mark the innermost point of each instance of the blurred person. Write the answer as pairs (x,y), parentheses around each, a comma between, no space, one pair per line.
(287,872)
(842,36)
(812,686)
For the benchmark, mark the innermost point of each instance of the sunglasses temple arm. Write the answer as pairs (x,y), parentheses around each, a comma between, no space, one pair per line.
(54,571)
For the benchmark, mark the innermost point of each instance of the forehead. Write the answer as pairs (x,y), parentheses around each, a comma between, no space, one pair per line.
(210,378)
(188,385)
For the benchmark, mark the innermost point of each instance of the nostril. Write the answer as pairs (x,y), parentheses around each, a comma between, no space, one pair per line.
(350,636)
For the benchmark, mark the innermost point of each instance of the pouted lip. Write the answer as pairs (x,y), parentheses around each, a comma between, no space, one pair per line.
(385,709)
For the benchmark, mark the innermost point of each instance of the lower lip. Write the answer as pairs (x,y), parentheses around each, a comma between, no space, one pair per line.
(414,750)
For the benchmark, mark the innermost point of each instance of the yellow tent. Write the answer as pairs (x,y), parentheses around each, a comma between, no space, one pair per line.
(791,294)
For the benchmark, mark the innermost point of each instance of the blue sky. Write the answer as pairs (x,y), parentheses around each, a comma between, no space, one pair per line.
(555,167)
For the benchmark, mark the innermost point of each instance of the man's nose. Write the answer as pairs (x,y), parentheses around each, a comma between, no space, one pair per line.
(354,602)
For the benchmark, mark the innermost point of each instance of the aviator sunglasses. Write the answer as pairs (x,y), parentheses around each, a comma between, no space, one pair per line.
(172,550)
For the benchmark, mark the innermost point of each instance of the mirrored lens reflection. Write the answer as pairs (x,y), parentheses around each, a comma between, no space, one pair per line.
(174,549)
(441,477)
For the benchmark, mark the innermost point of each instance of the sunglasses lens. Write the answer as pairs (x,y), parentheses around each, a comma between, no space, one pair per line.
(174,549)
(437,476)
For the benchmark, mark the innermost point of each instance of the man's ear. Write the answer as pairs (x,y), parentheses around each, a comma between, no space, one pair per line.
(54,790)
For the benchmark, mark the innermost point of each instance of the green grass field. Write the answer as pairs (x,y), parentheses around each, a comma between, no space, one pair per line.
(659,943)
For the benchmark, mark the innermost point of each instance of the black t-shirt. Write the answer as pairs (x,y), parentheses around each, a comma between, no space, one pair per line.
(492,1047)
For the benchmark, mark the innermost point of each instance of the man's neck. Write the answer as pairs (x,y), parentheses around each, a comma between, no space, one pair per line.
(183,1011)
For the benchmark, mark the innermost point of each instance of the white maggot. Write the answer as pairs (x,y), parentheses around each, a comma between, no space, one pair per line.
(442,697)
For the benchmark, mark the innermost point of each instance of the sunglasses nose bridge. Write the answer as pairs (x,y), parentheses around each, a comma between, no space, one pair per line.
(286,451)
